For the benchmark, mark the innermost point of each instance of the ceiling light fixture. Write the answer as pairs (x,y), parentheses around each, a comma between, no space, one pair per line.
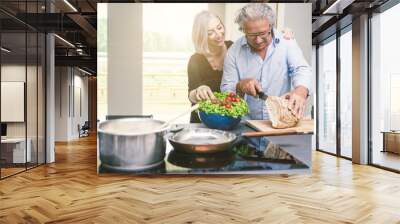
(64,40)
(5,50)
(84,71)
(333,6)
(338,6)
(70,5)
(79,51)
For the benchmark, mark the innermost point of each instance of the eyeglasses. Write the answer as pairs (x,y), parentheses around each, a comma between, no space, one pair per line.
(254,36)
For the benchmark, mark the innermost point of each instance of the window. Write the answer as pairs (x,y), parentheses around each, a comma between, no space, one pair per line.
(327,97)
(346,94)
(22,65)
(385,85)
(167,48)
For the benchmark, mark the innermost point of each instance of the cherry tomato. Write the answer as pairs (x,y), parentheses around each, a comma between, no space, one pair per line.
(228,106)
(232,94)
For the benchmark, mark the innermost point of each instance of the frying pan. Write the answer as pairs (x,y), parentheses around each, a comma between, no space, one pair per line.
(202,140)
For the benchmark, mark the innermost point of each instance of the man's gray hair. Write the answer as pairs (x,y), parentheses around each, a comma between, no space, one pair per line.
(253,11)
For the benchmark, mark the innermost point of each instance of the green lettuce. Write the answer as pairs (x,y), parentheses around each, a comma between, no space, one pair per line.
(238,107)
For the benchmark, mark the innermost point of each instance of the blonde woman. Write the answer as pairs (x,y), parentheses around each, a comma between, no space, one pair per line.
(205,66)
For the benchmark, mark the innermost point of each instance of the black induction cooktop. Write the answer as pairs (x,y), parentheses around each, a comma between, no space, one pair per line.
(249,155)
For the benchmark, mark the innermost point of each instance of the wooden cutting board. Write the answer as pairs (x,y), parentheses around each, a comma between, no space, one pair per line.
(264,128)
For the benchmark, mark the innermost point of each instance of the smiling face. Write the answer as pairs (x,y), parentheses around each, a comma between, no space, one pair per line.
(258,33)
(216,33)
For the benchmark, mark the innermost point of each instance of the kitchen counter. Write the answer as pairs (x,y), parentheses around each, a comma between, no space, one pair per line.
(260,155)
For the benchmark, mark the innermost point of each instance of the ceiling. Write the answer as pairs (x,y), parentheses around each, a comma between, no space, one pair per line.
(76,22)
(332,15)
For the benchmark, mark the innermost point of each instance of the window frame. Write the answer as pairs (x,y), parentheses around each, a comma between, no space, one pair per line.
(379,10)
(334,37)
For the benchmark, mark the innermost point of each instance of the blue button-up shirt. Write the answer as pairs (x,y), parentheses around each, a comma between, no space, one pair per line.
(284,67)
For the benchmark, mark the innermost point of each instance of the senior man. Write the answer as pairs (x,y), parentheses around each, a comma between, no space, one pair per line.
(262,60)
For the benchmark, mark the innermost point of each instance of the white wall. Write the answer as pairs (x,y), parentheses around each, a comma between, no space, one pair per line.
(12,101)
(10,73)
(69,82)
(218,9)
(34,125)
(14,72)
(82,82)
(297,17)
(61,103)
(125,50)
(80,104)
(232,32)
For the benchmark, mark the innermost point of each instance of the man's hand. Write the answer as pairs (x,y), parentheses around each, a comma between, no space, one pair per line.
(297,100)
(249,86)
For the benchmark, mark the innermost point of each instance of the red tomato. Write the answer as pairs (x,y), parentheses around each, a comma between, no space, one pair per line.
(228,98)
(232,94)
(228,106)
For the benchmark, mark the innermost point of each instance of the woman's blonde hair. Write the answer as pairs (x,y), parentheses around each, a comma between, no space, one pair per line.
(200,31)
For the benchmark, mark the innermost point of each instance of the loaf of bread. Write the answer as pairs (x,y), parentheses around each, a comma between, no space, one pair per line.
(280,114)
(274,151)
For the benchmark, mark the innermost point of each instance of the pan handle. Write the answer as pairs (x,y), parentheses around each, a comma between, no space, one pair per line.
(193,108)
(173,130)
(260,133)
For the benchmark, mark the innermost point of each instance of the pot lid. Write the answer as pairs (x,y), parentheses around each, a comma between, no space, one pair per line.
(132,126)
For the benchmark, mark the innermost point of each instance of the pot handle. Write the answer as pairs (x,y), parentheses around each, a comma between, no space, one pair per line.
(173,130)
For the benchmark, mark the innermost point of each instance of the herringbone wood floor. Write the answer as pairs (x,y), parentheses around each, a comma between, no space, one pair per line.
(70,191)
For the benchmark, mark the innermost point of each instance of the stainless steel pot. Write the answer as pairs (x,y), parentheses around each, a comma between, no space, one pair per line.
(132,144)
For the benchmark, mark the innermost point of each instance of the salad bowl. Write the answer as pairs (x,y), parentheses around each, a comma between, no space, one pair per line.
(217,121)
(224,112)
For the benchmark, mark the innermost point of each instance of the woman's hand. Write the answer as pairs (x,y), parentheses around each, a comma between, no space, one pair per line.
(287,34)
(202,92)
